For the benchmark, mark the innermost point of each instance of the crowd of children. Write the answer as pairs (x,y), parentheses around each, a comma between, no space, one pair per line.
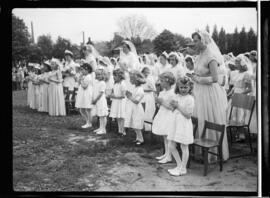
(162,83)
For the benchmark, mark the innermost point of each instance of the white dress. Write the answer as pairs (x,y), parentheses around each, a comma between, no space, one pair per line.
(118,105)
(183,131)
(134,112)
(85,96)
(69,81)
(164,120)
(149,101)
(100,108)
(178,71)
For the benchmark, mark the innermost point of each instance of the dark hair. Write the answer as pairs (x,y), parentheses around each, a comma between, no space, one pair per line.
(120,73)
(145,68)
(126,45)
(87,67)
(196,33)
(188,59)
(163,56)
(185,81)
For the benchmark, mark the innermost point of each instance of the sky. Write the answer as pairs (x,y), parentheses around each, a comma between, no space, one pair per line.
(101,23)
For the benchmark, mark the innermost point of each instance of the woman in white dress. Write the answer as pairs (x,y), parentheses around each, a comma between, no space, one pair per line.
(210,96)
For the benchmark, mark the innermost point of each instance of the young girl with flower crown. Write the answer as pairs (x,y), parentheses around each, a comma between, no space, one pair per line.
(134,117)
(183,105)
(163,121)
(85,94)
(118,98)
(99,100)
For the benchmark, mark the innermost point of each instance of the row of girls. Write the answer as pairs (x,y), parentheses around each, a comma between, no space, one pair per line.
(130,82)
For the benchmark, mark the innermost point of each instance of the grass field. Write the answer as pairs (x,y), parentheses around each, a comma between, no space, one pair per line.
(55,154)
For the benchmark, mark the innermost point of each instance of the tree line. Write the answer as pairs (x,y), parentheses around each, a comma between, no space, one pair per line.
(133,28)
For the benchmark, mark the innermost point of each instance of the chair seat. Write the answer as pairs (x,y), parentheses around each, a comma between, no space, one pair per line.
(208,143)
(233,123)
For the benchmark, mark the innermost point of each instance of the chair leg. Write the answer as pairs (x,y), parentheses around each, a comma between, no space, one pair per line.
(249,140)
(188,162)
(230,133)
(205,160)
(220,158)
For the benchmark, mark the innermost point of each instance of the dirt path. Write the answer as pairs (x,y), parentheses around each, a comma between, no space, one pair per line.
(54,154)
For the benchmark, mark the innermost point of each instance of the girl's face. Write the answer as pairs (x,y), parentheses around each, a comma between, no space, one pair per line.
(84,71)
(146,72)
(125,48)
(164,83)
(172,60)
(162,60)
(99,76)
(189,65)
(116,78)
(144,59)
(183,89)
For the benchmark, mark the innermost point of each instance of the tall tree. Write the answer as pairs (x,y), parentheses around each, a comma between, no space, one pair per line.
(243,41)
(147,46)
(134,26)
(20,39)
(230,44)
(222,41)
(179,41)
(45,43)
(164,42)
(215,34)
(235,41)
(252,40)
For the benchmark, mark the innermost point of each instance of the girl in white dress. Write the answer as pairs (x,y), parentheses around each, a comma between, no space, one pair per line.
(118,98)
(148,99)
(45,86)
(55,90)
(134,110)
(183,130)
(99,100)
(85,94)
(163,121)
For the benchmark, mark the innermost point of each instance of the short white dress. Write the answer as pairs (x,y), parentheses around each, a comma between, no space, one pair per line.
(183,131)
(134,117)
(118,105)
(85,96)
(163,123)
(100,108)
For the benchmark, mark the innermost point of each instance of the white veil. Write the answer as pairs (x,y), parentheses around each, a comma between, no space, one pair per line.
(211,46)
(131,59)
(131,46)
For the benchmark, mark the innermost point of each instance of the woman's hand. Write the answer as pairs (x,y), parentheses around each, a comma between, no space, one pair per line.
(174,104)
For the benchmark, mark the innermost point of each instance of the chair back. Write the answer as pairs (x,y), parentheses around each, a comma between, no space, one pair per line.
(215,127)
(195,125)
(243,101)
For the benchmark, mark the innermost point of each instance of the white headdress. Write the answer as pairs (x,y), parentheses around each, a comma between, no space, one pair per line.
(93,50)
(207,40)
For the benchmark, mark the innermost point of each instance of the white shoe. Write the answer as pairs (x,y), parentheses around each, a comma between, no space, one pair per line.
(101,132)
(160,157)
(177,171)
(165,160)
(86,126)
(97,130)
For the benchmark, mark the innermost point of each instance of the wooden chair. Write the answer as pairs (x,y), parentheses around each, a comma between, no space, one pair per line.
(206,144)
(245,102)
(195,128)
(150,122)
(70,100)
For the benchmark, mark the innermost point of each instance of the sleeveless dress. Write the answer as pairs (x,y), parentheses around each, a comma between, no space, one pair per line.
(100,108)
(56,95)
(210,102)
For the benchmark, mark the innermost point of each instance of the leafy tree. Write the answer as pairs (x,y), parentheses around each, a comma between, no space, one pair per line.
(164,42)
(230,44)
(45,43)
(20,39)
(134,26)
(215,34)
(179,42)
(147,46)
(103,48)
(60,46)
(34,53)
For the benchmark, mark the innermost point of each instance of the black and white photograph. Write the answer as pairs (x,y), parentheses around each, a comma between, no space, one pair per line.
(135,99)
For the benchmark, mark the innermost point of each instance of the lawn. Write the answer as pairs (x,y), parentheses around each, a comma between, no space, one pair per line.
(55,154)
